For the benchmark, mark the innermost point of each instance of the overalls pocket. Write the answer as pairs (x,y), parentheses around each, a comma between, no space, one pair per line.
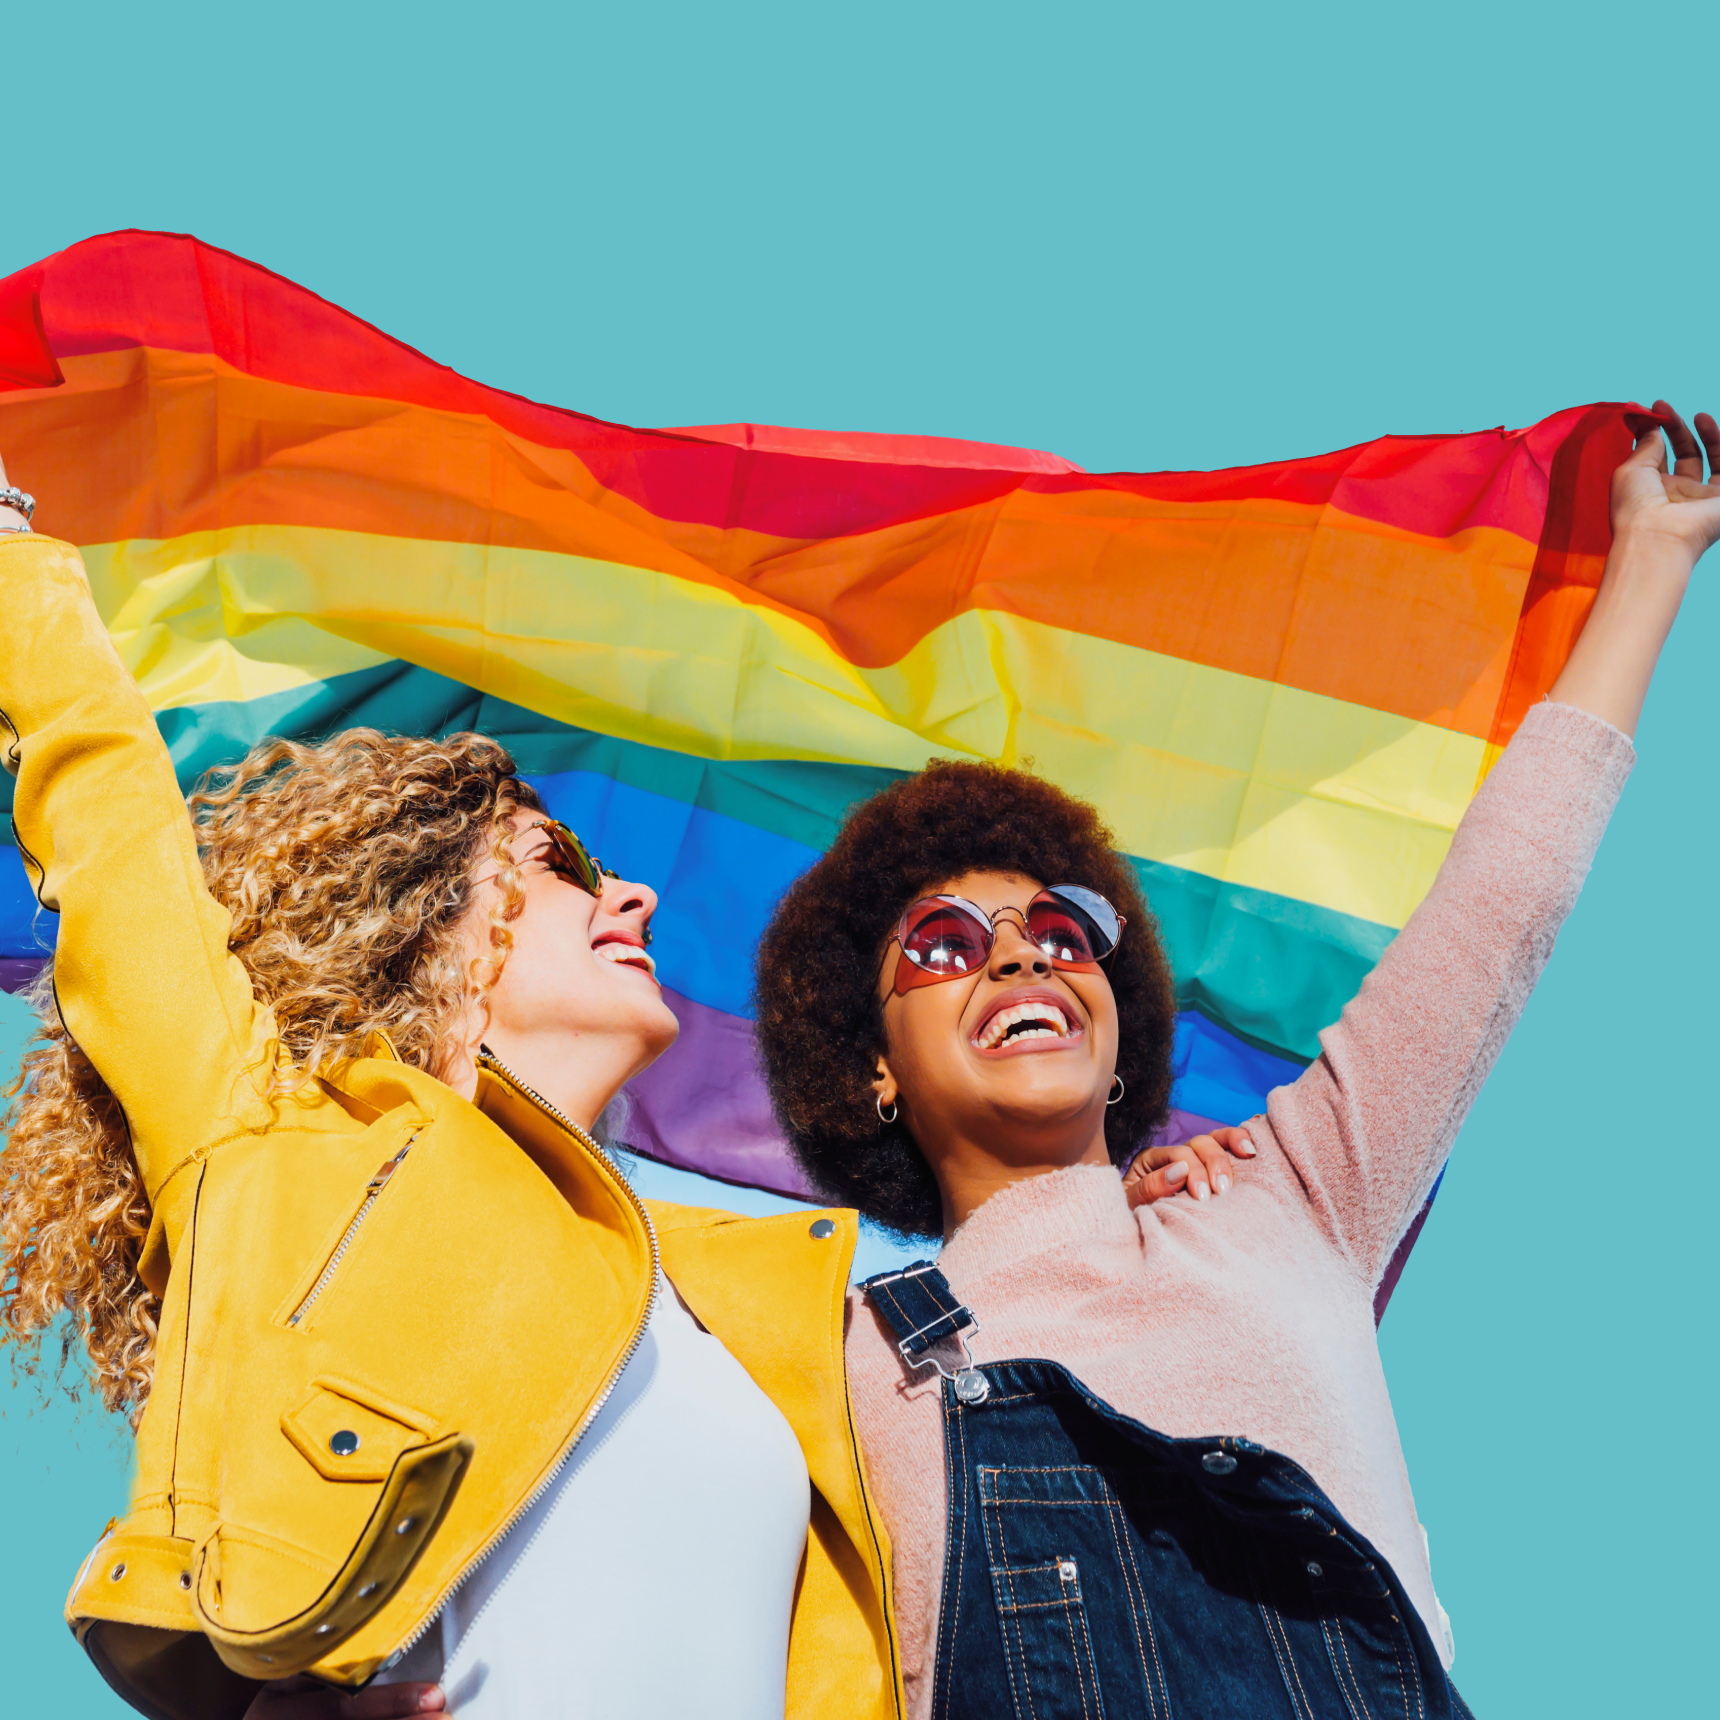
(1053,1538)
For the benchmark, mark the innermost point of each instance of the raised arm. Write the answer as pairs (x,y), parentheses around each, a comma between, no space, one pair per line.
(142,974)
(1367,1128)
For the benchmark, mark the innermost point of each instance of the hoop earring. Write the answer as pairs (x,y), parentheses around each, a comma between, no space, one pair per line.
(895,1111)
(1117,1082)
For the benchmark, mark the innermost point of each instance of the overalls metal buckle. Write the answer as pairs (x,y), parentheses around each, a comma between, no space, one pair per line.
(922,1310)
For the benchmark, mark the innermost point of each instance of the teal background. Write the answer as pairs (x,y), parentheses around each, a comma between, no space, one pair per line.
(1145,237)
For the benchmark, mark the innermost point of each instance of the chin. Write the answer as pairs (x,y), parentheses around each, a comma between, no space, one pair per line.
(1048,1104)
(654,1022)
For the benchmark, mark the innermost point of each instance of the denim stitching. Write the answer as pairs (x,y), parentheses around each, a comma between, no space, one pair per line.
(1275,1623)
(942,1679)
(1091,1667)
(1142,1615)
(1006,1622)
(1415,1671)
(1074,1655)
(1339,1671)
(1278,1655)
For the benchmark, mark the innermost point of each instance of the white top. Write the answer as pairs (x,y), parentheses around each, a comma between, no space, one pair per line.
(656,1575)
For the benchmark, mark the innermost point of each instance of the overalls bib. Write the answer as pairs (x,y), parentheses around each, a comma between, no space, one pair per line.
(1096,1567)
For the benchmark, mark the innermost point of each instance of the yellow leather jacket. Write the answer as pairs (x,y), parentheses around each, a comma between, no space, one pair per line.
(358,1386)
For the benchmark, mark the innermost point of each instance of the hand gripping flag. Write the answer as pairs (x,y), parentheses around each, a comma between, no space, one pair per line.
(1280,684)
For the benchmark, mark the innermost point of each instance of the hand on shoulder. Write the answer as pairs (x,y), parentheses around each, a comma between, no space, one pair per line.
(1197,1168)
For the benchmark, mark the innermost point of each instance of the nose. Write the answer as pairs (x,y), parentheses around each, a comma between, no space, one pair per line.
(1014,953)
(622,899)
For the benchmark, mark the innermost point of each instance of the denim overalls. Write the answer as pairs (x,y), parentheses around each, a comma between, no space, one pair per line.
(1095,1567)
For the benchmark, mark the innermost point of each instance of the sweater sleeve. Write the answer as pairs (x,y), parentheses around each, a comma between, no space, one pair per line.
(143,978)
(1367,1127)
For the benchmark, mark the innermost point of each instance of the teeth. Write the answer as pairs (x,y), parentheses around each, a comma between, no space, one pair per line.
(629,954)
(1051,1024)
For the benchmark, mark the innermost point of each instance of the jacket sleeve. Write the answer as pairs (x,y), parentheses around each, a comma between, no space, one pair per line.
(1366,1129)
(142,974)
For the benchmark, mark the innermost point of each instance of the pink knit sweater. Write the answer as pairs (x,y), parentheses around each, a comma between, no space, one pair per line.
(1252,1314)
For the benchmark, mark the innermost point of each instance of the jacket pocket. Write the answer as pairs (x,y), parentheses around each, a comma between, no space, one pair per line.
(347,1433)
(271,1609)
(297,1311)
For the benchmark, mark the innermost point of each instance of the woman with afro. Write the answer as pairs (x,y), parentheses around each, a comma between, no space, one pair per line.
(1139,1458)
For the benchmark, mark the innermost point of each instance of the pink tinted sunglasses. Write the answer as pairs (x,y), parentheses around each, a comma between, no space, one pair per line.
(948,937)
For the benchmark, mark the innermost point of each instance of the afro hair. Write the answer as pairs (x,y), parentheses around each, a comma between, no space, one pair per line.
(820,1021)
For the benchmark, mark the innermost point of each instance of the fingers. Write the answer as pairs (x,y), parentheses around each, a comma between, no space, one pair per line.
(1236,1142)
(1213,1176)
(386,1701)
(1709,431)
(1650,450)
(1686,453)
(1156,1174)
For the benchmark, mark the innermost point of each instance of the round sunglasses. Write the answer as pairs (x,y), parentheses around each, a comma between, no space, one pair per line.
(948,937)
(569,858)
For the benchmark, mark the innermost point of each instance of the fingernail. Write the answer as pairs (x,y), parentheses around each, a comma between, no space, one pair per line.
(1176,1172)
(1200,1190)
(1222,1184)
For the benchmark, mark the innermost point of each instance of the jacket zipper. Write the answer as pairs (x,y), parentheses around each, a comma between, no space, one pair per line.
(487,1059)
(372,1193)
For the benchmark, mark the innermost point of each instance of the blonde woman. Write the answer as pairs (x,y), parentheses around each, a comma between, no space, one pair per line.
(307,1151)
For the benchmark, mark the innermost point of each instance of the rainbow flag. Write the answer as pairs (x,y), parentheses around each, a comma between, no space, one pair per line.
(1281,684)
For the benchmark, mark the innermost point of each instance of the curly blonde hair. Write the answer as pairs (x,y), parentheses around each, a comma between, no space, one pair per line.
(347,868)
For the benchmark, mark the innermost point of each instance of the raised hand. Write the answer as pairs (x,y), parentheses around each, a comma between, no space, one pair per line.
(1675,505)
(1662,522)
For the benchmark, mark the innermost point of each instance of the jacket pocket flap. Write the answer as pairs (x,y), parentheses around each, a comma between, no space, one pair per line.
(346,1438)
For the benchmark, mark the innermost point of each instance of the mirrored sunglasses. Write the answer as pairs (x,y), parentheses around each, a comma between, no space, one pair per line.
(947,937)
(569,858)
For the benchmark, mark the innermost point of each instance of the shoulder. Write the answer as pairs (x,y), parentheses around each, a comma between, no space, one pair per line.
(670,1216)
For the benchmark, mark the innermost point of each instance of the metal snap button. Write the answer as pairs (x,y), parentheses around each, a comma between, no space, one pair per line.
(1218,1463)
(185,1579)
(821,1229)
(344,1443)
(972,1386)
(1067,1570)
(1315,1568)
(116,1573)
(406,1525)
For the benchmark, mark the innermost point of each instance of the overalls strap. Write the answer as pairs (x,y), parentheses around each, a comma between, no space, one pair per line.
(918,1305)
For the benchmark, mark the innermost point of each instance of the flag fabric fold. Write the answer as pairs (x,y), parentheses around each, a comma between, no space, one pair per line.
(1280,684)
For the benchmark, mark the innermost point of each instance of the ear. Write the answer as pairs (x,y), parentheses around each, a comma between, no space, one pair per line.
(884,1083)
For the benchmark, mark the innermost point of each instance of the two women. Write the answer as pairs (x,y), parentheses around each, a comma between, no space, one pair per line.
(1144,1461)
(310,1155)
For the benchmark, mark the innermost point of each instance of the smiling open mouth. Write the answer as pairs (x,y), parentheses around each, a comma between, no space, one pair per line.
(1038,1018)
(624,955)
